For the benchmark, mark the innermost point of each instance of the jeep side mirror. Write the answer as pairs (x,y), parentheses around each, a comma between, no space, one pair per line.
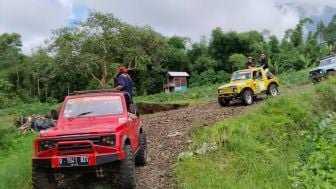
(54,114)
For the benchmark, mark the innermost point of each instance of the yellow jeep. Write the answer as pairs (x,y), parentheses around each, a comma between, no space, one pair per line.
(246,85)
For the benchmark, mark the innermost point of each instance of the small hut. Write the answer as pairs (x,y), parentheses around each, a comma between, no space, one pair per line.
(176,81)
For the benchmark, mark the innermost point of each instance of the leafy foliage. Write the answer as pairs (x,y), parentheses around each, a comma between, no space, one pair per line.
(87,55)
(317,168)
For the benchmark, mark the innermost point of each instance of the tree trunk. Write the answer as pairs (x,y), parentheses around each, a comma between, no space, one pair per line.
(102,83)
(17,78)
(38,86)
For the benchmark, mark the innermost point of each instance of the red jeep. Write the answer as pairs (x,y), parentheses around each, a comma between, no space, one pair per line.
(98,139)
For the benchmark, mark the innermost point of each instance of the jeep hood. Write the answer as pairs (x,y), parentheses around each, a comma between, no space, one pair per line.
(234,84)
(82,127)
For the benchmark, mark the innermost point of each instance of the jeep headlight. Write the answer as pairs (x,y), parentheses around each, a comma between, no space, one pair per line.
(234,89)
(321,72)
(219,90)
(107,140)
(46,145)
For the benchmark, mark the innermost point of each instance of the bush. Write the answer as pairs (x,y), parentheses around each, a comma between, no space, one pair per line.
(294,78)
(317,168)
(209,77)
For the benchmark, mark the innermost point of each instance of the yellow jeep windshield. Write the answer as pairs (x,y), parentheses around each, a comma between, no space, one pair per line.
(241,76)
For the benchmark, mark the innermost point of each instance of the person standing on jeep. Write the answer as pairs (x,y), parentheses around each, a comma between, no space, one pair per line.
(250,63)
(264,62)
(124,83)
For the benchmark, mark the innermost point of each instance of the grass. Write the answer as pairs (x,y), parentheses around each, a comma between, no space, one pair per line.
(27,109)
(15,159)
(192,95)
(258,149)
(7,122)
(294,78)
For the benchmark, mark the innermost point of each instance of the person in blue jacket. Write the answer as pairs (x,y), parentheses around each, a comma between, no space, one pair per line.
(125,84)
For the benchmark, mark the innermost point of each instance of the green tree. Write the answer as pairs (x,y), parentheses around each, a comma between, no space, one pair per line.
(297,35)
(237,61)
(10,49)
(330,32)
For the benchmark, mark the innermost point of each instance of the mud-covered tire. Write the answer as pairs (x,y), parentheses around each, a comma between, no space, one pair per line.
(223,102)
(126,172)
(247,97)
(272,90)
(41,178)
(141,157)
(330,74)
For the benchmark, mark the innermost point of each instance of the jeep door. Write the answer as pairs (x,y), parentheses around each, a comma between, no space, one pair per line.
(258,81)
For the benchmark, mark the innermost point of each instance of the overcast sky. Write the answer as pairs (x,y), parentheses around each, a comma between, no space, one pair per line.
(35,19)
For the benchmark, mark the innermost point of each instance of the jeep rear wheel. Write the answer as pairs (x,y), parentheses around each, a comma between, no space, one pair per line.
(223,102)
(140,158)
(42,178)
(273,90)
(126,176)
(247,97)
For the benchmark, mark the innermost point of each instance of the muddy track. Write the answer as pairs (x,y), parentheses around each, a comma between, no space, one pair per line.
(169,132)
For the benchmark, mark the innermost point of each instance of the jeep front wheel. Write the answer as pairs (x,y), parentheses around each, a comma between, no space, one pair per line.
(330,74)
(42,178)
(273,90)
(223,102)
(247,97)
(140,158)
(127,170)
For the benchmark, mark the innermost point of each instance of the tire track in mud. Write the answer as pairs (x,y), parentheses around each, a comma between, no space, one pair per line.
(168,134)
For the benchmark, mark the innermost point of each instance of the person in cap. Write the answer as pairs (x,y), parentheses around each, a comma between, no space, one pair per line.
(250,63)
(124,83)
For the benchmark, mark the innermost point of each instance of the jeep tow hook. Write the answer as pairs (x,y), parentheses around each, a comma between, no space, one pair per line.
(99,172)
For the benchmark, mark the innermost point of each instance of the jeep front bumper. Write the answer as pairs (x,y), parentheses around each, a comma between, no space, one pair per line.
(92,160)
(77,154)
(229,96)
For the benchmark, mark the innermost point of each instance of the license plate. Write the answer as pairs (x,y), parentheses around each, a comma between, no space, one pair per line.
(73,161)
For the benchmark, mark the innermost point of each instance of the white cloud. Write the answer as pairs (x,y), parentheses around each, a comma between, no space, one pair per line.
(34,19)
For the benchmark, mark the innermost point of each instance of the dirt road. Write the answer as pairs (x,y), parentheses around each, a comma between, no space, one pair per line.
(167,135)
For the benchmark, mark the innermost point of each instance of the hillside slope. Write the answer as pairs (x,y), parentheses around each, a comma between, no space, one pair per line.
(281,144)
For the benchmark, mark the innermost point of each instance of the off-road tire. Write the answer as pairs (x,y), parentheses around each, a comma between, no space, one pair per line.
(222,102)
(272,90)
(330,74)
(140,158)
(126,172)
(247,97)
(41,178)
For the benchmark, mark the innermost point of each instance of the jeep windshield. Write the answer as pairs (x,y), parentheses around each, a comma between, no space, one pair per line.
(241,76)
(327,61)
(93,106)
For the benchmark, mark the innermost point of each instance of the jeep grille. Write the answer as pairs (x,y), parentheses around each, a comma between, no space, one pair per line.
(315,72)
(74,147)
(77,148)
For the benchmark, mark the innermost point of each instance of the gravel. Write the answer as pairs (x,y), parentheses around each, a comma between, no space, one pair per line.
(168,134)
